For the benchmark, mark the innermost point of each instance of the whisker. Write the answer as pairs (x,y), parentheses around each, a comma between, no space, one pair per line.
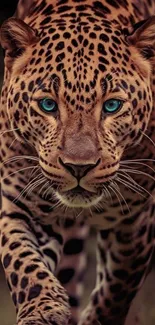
(91,212)
(6,131)
(50,190)
(57,205)
(34,171)
(136,160)
(41,189)
(138,163)
(148,137)
(47,191)
(33,186)
(44,195)
(121,195)
(13,159)
(141,188)
(108,193)
(26,187)
(17,171)
(129,178)
(138,172)
(79,214)
(130,186)
(113,190)
(13,142)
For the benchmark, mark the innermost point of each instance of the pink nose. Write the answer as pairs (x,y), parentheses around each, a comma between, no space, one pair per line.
(80,148)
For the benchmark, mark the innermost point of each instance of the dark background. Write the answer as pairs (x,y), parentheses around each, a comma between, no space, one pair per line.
(8,7)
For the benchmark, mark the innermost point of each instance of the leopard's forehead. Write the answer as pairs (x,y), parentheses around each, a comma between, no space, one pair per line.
(81,52)
(79,38)
(79,59)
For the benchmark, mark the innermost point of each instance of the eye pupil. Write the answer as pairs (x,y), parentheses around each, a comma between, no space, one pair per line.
(112,105)
(48,105)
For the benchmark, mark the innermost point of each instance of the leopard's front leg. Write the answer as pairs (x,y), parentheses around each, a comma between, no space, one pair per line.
(38,296)
(123,257)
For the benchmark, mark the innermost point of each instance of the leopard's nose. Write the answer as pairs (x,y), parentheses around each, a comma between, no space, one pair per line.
(78,170)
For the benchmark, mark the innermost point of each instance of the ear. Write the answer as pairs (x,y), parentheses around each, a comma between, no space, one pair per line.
(142,36)
(15,36)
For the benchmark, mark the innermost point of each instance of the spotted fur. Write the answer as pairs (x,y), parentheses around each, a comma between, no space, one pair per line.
(77,166)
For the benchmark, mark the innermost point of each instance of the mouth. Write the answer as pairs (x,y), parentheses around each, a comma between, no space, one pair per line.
(78,197)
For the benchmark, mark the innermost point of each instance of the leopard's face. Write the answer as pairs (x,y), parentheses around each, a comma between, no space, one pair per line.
(80,100)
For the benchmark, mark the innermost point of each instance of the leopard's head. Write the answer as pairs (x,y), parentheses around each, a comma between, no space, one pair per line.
(81,95)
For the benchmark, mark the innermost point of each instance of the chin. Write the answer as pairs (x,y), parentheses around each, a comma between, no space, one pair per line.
(79,200)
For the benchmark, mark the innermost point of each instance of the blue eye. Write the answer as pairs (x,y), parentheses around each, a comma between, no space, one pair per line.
(112,105)
(48,105)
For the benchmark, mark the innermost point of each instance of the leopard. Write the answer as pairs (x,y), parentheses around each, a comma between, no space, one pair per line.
(77,140)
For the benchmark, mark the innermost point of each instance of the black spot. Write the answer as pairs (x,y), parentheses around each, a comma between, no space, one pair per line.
(31,268)
(22,85)
(103,60)
(60,66)
(64,8)
(74,302)
(7,260)
(69,222)
(14,279)
(59,46)
(73,246)
(101,49)
(46,20)
(21,297)
(25,254)
(95,299)
(41,52)
(24,282)
(4,240)
(31,85)
(102,67)
(17,116)
(25,97)
(104,37)
(16,98)
(50,253)
(74,43)
(92,35)
(7,181)
(14,298)
(14,245)
(116,39)
(42,275)
(104,233)
(17,264)
(66,35)
(107,303)
(120,296)
(116,287)
(124,84)
(85,43)
(34,291)
(120,274)
(60,57)
(99,5)
(44,41)
(55,37)
(65,275)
